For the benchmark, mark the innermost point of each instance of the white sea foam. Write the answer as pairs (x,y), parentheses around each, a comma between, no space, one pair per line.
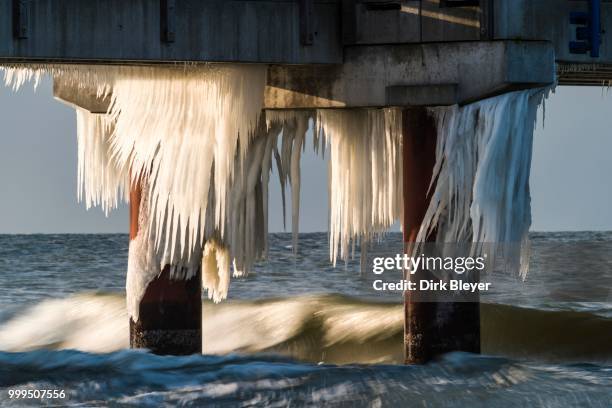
(328,328)
(99,323)
(84,322)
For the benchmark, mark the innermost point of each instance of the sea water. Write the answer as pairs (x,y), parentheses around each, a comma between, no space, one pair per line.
(298,332)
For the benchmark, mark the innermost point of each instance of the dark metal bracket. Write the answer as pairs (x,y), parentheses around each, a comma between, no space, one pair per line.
(168,20)
(459,3)
(487,20)
(382,5)
(307,33)
(21,18)
(588,30)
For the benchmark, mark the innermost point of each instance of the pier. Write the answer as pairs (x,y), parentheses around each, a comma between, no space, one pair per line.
(320,54)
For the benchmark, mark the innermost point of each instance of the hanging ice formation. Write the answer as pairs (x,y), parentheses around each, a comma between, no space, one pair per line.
(292,127)
(364,169)
(194,136)
(185,133)
(366,174)
(100,181)
(483,161)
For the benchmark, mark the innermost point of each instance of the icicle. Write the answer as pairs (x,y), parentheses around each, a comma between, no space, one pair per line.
(364,174)
(245,228)
(482,168)
(176,127)
(100,181)
(193,134)
(82,76)
(266,169)
(300,132)
(144,262)
(294,127)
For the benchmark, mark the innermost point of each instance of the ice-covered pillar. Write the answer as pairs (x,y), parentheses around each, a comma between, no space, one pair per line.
(165,314)
(434,327)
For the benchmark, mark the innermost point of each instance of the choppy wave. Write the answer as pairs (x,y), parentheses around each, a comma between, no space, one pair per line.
(326,328)
(128,378)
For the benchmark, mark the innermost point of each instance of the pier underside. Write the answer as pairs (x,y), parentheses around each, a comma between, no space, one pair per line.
(319,54)
(394,75)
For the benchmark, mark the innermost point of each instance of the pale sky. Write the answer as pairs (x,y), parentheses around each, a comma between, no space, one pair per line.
(571,172)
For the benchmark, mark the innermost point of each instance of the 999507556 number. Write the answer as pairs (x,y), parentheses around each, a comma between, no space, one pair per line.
(36,394)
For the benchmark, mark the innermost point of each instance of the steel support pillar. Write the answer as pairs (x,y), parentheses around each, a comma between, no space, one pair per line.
(170,312)
(431,327)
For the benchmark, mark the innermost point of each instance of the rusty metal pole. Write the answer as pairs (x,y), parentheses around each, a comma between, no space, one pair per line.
(430,328)
(170,312)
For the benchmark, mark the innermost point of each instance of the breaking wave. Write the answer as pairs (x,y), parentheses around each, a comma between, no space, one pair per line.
(332,329)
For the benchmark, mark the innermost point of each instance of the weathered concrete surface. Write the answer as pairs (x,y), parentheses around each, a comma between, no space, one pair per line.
(276,32)
(212,30)
(422,95)
(410,21)
(479,70)
(549,20)
(265,31)
(82,97)
(394,75)
(540,20)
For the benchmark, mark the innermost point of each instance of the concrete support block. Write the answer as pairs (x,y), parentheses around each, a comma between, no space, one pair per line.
(422,95)
(393,75)
(479,70)
(82,97)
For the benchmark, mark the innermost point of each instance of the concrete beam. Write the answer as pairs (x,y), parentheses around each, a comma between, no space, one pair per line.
(266,31)
(82,97)
(281,31)
(393,75)
(119,31)
(422,95)
(476,69)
